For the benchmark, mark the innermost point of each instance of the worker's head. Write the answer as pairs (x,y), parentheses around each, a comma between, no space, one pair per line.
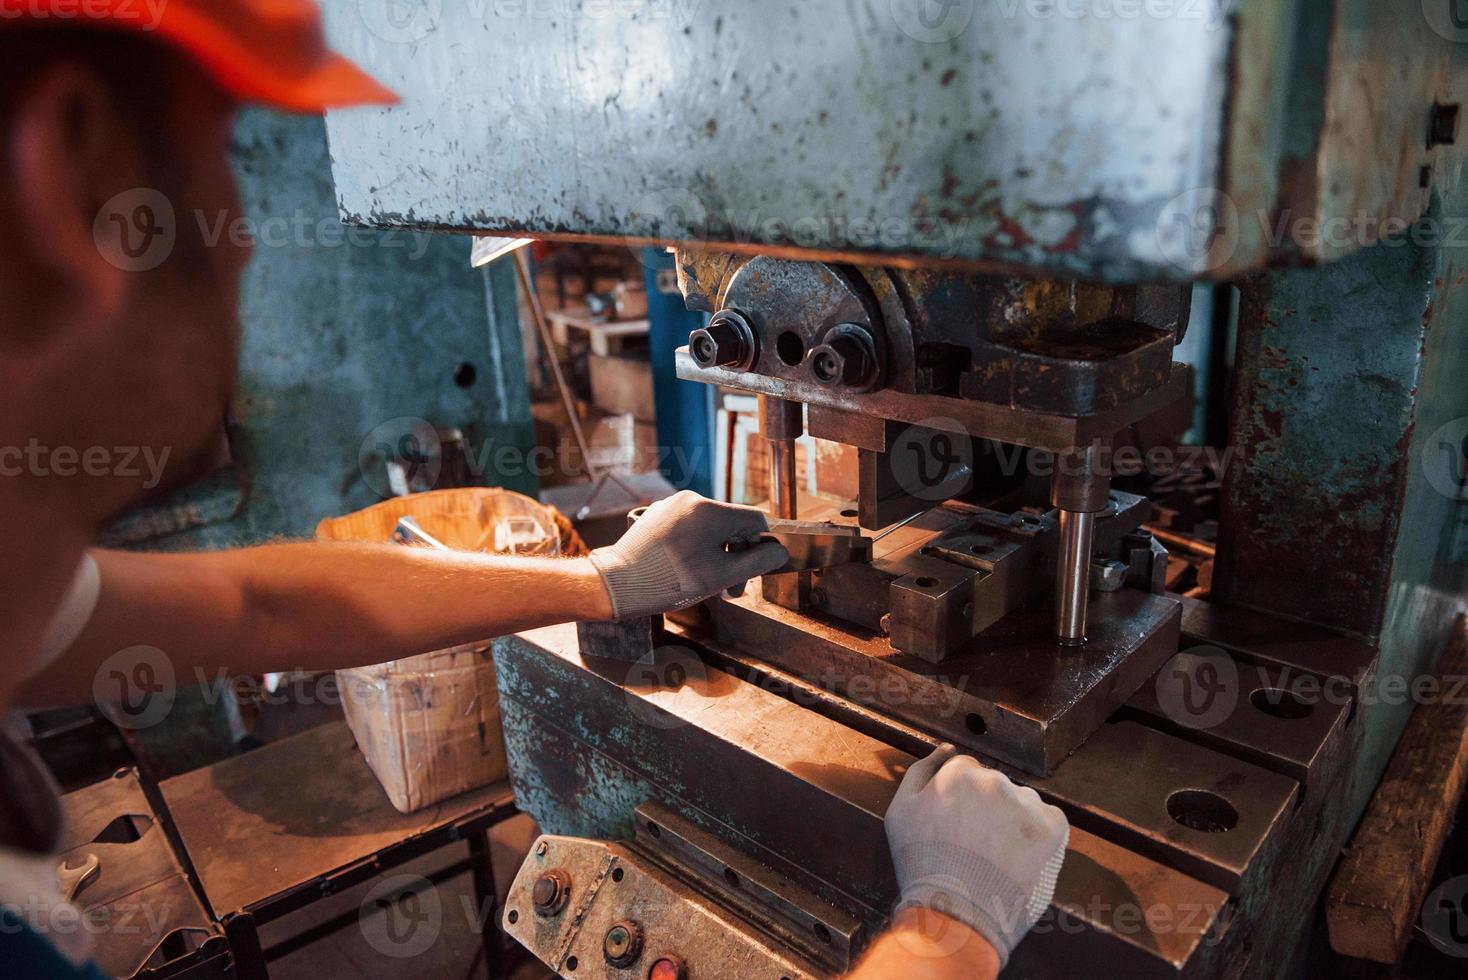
(119,274)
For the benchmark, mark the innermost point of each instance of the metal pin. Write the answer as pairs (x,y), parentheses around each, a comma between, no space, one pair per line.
(1073,582)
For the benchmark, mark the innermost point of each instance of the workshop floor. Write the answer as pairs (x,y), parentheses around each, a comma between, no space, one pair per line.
(351,953)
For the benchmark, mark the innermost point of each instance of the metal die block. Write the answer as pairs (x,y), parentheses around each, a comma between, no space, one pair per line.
(1001,423)
(1012,694)
(630,640)
(1260,638)
(1115,908)
(1287,721)
(1199,811)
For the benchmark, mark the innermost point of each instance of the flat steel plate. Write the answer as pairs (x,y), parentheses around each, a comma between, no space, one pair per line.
(1012,694)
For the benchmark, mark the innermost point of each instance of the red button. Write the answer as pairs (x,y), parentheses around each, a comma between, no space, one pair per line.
(667,968)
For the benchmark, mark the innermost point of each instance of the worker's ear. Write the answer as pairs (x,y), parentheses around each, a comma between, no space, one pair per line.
(71,152)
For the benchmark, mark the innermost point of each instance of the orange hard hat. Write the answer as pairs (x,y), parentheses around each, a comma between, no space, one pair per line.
(271,52)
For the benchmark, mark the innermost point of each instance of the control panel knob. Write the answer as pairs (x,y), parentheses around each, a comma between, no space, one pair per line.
(622,944)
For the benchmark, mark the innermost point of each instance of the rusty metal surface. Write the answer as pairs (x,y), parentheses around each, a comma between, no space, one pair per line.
(1319,435)
(1277,642)
(1282,720)
(998,422)
(140,895)
(310,802)
(630,639)
(1199,811)
(1121,783)
(1157,923)
(661,729)
(1045,345)
(891,129)
(1012,694)
(820,932)
(609,885)
(1130,887)
(586,752)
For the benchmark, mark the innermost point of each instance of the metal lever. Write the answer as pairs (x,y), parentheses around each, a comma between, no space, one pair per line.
(814,544)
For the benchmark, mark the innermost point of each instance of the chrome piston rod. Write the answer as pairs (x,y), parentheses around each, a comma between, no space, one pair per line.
(1079,491)
(781,423)
(1073,576)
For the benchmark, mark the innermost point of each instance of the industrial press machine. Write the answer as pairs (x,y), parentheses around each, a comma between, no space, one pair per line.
(961,240)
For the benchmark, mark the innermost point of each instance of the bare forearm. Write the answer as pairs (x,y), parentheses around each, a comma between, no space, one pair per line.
(312,606)
(926,945)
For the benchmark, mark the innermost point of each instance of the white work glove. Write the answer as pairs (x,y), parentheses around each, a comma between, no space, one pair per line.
(969,843)
(676,554)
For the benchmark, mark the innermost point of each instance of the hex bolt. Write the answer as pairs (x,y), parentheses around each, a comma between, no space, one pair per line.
(727,341)
(843,361)
(1107,575)
(622,944)
(551,892)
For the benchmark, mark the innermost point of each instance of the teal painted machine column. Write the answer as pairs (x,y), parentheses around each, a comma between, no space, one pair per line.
(349,334)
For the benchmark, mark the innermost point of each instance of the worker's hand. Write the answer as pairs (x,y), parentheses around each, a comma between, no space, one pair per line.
(974,846)
(676,555)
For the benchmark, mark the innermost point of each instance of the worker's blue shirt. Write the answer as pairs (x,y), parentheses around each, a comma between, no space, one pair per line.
(26,955)
(30,898)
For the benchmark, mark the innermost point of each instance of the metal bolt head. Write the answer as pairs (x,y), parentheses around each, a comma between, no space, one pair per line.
(1107,575)
(540,848)
(622,944)
(843,362)
(728,341)
(550,892)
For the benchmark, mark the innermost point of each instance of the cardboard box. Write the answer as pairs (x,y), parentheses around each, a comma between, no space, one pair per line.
(428,726)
